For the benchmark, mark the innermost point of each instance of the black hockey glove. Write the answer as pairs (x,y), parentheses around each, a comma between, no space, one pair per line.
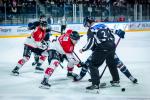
(120,33)
(48,30)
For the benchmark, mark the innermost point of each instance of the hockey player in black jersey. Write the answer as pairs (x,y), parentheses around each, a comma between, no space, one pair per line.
(102,43)
(118,62)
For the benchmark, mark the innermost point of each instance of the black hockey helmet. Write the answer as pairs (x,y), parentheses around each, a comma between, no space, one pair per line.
(87,20)
(75,35)
(43,23)
(42,16)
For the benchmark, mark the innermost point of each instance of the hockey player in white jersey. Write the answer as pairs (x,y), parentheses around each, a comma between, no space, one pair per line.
(31,26)
(35,44)
(63,46)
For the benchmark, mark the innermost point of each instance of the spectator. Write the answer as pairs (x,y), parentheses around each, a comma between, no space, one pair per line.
(50,20)
(14,10)
(63,23)
(14,3)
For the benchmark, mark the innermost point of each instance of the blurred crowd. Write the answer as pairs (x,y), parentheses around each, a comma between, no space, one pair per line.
(94,1)
(17,6)
(55,9)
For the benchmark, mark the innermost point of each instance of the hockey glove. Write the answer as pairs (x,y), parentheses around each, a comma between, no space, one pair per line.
(31,26)
(120,33)
(48,29)
(43,45)
(81,64)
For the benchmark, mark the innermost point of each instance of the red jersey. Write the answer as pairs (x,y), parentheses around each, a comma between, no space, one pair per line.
(66,43)
(38,34)
(36,38)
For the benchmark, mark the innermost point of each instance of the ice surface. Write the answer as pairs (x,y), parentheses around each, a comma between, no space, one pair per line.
(133,51)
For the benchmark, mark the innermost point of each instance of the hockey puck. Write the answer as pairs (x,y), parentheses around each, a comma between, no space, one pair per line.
(123,89)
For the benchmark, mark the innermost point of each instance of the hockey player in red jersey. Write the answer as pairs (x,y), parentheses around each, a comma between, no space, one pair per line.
(31,26)
(35,44)
(63,46)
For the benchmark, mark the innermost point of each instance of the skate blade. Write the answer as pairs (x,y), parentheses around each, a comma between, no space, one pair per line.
(44,87)
(95,91)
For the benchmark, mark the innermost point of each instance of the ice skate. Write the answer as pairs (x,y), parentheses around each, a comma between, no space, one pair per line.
(15,71)
(45,84)
(115,83)
(34,64)
(93,89)
(71,75)
(134,80)
(39,70)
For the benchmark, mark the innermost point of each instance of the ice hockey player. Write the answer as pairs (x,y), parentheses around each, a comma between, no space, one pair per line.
(118,62)
(31,26)
(102,43)
(63,46)
(35,44)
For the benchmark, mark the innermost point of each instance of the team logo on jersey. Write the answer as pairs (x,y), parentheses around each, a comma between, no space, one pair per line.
(65,38)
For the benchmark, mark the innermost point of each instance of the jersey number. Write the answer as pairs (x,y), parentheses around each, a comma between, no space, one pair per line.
(104,34)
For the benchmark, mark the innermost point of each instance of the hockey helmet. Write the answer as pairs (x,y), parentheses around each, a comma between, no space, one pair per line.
(69,31)
(75,35)
(43,23)
(88,20)
(43,18)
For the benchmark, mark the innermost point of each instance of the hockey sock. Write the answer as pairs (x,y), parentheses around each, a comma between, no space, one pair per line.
(22,61)
(41,60)
(125,71)
(48,72)
(70,69)
(36,58)
(83,71)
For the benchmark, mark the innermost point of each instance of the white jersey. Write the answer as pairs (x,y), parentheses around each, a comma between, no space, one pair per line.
(56,46)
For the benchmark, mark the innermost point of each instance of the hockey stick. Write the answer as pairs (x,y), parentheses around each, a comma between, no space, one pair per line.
(76,56)
(55,31)
(61,66)
(79,59)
